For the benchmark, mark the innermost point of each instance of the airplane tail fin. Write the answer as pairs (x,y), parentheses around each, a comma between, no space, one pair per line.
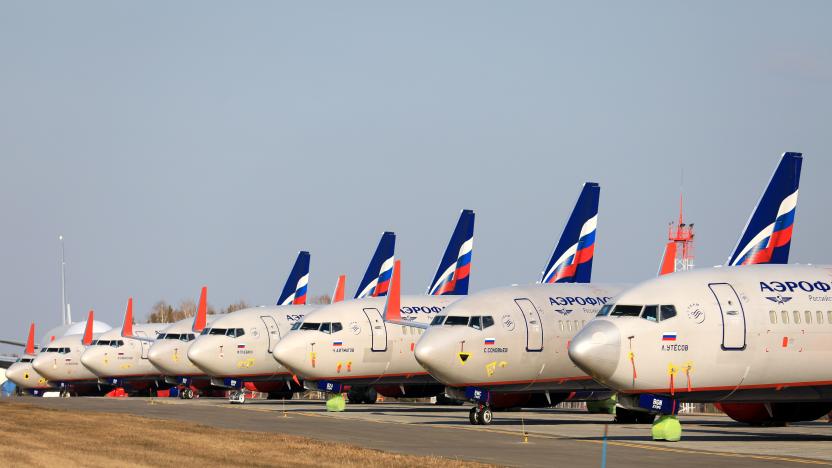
(571,262)
(30,340)
(87,339)
(201,317)
(455,267)
(376,279)
(767,235)
(127,326)
(294,291)
(338,294)
(392,307)
(669,260)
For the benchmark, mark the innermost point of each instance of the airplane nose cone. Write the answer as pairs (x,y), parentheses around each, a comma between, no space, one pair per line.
(596,349)
(198,353)
(43,365)
(92,360)
(424,352)
(15,374)
(154,355)
(290,353)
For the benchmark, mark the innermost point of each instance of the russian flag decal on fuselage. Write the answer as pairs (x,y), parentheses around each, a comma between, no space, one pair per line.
(337,343)
(489,341)
(669,336)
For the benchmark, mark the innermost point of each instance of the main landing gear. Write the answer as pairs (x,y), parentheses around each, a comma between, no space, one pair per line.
(480,414)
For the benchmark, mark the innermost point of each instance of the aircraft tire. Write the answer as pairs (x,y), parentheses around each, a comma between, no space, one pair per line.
(472,416)
(485,416)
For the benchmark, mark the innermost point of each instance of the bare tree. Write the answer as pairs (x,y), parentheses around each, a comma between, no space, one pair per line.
(322,299)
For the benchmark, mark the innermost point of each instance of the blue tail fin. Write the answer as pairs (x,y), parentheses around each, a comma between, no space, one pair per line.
(571,261)
(452,275)
(294,292)
(376,279)
(768,234)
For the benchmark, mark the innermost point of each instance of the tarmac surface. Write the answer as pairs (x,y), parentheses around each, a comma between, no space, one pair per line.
(555,437)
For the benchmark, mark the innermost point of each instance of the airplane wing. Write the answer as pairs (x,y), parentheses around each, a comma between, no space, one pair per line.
(13,343)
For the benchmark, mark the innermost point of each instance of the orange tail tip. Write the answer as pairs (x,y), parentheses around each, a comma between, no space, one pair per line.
(669,259)
(88,330)
(392,308)
(127,327)
(338,295)
(201,317)
(30,341)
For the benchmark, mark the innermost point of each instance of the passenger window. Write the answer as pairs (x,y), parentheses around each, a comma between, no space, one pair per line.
(829,317)
(668,311)
(583,323)
(784,314)
(336,327)
(560,324)
(326,327)
(808,315)
(475,323)
(651,313)
(576,326)
(487,321)
(796,315)
(772,316)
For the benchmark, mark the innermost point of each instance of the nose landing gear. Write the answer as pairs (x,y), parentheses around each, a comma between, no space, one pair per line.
(480,415)
(237,397)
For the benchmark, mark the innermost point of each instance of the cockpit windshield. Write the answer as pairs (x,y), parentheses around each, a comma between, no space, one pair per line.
(477,322)
(25,359)
(621,310)
(438,320)
(604,310)
(310,326)
(652,312)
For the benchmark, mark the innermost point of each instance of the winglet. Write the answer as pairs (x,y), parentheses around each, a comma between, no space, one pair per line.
(669,260)
(392,308)
(201,317)
(767,235)
(30,341)
(87,340)
(127,326)
(338,295)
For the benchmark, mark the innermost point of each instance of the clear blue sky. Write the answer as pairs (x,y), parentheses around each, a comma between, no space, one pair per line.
(176,144)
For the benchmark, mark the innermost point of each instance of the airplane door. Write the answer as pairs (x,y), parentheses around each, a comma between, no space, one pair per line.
(271,330)
(733,316)
(145,344)
(377,328)
(534,327)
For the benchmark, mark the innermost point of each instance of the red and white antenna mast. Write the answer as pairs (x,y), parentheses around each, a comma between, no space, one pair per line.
(682,235)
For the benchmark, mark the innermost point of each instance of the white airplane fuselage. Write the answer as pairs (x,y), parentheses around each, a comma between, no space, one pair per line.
(239,345)
(25,376)
(745,334)
(169,353)
(364,350)
(113,357)
(513,339)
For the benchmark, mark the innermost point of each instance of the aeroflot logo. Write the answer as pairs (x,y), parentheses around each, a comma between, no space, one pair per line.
(791,286)
(421,309)
(577,300)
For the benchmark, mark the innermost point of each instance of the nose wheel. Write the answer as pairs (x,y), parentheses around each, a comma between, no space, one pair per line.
(480,415)
(186,394)
(237,396)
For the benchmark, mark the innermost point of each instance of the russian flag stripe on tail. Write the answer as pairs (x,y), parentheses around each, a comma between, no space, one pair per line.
(455,267)
(768,233)
(294,291)
(376,279)
(571,262)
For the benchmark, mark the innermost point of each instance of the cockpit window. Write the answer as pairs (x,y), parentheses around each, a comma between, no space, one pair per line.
(668,311)
(56,350)
(186,337)
(438,320)
(475,323)
(235,332)
(336,327)
(326,327)
(295,326)
(117,343)
(25,359)
(218,331)
(651,313)
(626,311)
(206,331)
(604,310)
(310,326)
(487,321)
(456,320)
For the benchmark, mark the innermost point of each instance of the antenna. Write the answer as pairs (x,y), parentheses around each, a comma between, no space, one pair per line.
(64,310)
(682,235)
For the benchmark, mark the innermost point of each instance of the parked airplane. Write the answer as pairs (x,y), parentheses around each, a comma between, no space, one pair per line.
(349,343)
(23,374)
(236,350)
(516,355)
(766,239)
(489,347)
(60,361)
(119,357)
(169,352)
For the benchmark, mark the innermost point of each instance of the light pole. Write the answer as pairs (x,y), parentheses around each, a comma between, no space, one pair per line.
(65,318)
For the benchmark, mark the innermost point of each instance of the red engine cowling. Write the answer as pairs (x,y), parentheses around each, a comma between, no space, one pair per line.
(774,414)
